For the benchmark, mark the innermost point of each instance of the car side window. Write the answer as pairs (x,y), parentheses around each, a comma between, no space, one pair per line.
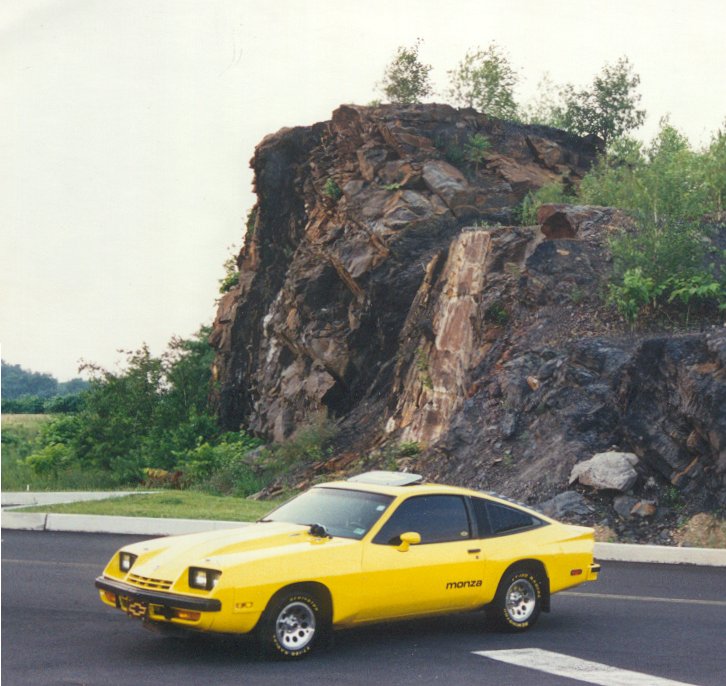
(438,518)
(494,519)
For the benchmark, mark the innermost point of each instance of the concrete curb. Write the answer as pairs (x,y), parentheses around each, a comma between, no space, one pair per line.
(10,499)
(144,526)
(624,552)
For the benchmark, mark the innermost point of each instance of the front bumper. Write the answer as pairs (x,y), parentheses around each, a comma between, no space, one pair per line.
(167,601)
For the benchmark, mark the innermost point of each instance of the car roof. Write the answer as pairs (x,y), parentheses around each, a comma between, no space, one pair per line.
(423,488)
(387,489)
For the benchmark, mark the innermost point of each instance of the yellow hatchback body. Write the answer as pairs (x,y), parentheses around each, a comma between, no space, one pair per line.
(381,546)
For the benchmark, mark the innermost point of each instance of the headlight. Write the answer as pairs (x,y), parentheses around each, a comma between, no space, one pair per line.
(126,561)
(204,579)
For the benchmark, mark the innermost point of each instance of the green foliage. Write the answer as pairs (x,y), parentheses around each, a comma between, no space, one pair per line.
(51,460)
(667,188)
(695,287)
(308,444)
(251,223)
(633,292)
(550,193)
(332,189)
(231,273)
(407,80)
(146,416)
(18,382)
(422,366)
(20,438)
(223,468)
(29,392)
(25,404)
(659,183)
(541,109)
(34,404)
(608,108)
(714,172)
(476,150)
(451,148)
(485,80)
(496,314)
(408,449)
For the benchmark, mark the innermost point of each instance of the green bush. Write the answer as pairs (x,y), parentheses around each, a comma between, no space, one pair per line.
(476,150)
(549,193)
(223,468)
(497,314)
(145,416)
(332,189)
(308,444)
(667,188)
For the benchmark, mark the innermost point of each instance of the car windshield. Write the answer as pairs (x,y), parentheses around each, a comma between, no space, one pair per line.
(349,514)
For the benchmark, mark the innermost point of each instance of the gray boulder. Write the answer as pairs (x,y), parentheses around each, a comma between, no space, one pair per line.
(607,471)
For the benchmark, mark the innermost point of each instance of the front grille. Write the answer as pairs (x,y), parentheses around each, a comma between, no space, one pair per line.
(146,582)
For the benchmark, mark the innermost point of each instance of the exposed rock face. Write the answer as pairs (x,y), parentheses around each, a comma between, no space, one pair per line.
(385,285)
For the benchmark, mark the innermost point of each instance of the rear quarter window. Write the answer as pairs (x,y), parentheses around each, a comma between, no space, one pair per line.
(496,519)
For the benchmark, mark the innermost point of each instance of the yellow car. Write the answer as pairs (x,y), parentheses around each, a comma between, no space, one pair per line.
(379,546)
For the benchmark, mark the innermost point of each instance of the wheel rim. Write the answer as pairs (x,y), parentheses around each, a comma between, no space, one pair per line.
(520,601)
(295,626)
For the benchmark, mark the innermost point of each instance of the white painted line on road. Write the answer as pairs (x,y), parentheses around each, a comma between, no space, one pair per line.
(574,668)
(645,598)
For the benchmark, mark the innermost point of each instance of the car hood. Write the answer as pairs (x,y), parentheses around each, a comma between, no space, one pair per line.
(166,558)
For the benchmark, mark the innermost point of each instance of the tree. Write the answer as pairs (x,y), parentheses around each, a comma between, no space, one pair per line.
(145,416)
(664,187)
(485,80)
(659,183)
(18,382)
(406,80)
(542,107)
(608,109)
(715,171)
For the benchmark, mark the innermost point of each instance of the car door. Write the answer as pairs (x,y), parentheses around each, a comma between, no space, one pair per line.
(502,531)
(441,573)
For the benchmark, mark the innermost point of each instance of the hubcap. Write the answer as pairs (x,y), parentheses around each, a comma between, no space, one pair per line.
(295,626)
(520,600)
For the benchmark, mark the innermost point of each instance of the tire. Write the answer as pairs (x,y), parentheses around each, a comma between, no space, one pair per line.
(518,602)
(291,625)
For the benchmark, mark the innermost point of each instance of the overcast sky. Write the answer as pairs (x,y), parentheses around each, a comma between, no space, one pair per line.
(126,128)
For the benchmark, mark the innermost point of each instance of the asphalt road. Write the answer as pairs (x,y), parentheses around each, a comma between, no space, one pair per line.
(56,631)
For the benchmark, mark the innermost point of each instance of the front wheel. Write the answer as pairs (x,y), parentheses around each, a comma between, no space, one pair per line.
(290,626)
(518,602)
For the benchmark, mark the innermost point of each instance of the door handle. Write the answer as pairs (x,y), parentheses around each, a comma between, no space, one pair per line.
(474,550)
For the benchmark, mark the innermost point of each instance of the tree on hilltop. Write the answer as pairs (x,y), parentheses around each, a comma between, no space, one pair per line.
(485,80)
(407,80)
(608,109)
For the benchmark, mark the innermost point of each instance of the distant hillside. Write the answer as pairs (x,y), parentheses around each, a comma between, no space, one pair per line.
(18,383)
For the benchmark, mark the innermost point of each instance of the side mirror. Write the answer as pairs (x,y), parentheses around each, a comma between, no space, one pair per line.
(408,539)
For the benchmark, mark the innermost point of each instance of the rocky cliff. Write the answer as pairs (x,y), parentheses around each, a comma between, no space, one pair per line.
(385,283)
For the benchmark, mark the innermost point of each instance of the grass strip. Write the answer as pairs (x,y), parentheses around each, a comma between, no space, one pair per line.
(167,505)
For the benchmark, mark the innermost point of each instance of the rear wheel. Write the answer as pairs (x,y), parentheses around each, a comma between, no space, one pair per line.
(291,625)
(518,602)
